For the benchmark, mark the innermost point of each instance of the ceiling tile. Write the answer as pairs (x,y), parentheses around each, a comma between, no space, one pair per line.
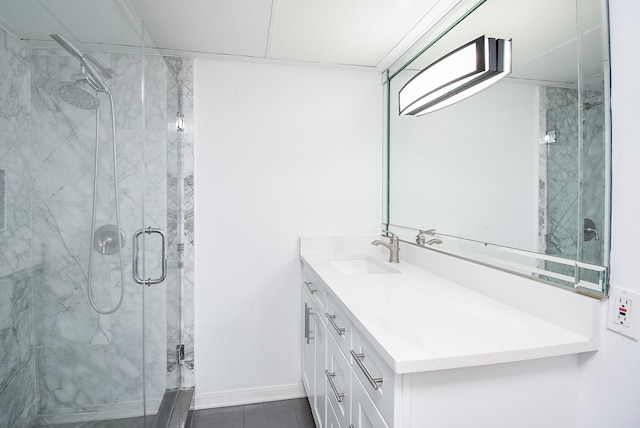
(238,27)
(359,32)
(95,21)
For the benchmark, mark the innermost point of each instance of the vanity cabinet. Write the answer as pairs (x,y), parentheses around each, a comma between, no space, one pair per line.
(351,385)
(332,377)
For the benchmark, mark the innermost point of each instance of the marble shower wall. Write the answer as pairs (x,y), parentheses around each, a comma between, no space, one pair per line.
(88,362)
(17,266)
(85,361)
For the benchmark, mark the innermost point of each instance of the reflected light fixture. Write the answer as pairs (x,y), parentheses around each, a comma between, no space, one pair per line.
(458,75)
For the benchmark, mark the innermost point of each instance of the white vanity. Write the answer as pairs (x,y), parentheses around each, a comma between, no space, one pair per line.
(396,345)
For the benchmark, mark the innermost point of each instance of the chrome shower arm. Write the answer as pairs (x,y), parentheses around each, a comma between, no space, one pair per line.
(96,79)
(105,71)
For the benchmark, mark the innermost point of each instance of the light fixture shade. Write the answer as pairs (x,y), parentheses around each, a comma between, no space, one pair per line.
(458,75)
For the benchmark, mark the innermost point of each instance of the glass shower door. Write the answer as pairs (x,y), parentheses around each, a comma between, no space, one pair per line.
(81,344)
(163,241)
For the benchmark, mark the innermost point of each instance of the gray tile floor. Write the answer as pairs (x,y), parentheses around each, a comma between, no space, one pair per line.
(276,414)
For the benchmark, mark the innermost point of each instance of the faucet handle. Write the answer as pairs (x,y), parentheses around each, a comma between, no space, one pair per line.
(388,234)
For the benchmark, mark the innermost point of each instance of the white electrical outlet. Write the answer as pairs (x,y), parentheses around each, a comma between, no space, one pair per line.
(624,312)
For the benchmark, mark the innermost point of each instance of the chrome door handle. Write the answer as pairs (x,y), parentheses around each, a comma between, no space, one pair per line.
(374,381)
(332,320)
(339,395)
(136,250)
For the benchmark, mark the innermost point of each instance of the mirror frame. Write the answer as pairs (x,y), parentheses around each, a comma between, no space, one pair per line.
(524,263)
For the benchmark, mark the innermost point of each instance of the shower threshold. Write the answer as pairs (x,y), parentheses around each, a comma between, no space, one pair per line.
(174,409)
(174,412)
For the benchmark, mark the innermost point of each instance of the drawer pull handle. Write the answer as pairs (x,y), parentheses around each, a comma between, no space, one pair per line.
(374,381)
(339,396)
(308,312)
(311,290)
(332,320)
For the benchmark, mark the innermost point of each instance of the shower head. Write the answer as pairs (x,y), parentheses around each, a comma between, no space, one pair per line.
(88,63)
(77,94)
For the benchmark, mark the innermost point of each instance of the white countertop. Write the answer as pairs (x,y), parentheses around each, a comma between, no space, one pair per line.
(419,321)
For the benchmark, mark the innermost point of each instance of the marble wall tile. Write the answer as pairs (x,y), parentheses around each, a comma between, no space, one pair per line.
(18,405)
(87,378)
(17,373)
(15,238)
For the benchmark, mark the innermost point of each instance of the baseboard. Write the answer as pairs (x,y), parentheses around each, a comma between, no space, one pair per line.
(238,397)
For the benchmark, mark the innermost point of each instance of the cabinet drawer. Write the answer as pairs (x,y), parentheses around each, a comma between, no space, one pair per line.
(339,325)
(316,289)
(364,413)
(375,375)
(338,377)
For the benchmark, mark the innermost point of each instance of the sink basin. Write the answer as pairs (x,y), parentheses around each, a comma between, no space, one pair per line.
(361,266)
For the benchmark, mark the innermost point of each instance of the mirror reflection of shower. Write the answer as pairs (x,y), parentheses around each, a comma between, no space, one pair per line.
(83,91)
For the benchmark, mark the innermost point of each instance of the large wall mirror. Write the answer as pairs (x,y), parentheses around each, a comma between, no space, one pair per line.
(518,175)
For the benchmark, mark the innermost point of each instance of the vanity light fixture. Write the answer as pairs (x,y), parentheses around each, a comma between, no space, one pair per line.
(460,74)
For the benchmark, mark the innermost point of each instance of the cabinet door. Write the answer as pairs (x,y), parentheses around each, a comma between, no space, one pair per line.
(308,347)
(314,349)
(364,413)
(338,378)
(321,358)
(369,366)
(332,420)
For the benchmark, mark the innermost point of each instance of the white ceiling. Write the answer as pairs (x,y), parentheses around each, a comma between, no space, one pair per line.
(354,32)
(369,33)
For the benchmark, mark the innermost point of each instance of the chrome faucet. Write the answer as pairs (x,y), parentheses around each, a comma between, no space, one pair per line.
(393,246)
(421,240)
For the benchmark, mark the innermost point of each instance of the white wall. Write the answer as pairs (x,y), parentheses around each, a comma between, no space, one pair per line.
(268,172)
(281,151)
(609,392)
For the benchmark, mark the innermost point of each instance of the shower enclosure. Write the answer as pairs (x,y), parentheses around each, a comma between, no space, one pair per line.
(96,209)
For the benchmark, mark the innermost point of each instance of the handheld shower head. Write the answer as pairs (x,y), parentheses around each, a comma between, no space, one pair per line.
(68,46)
